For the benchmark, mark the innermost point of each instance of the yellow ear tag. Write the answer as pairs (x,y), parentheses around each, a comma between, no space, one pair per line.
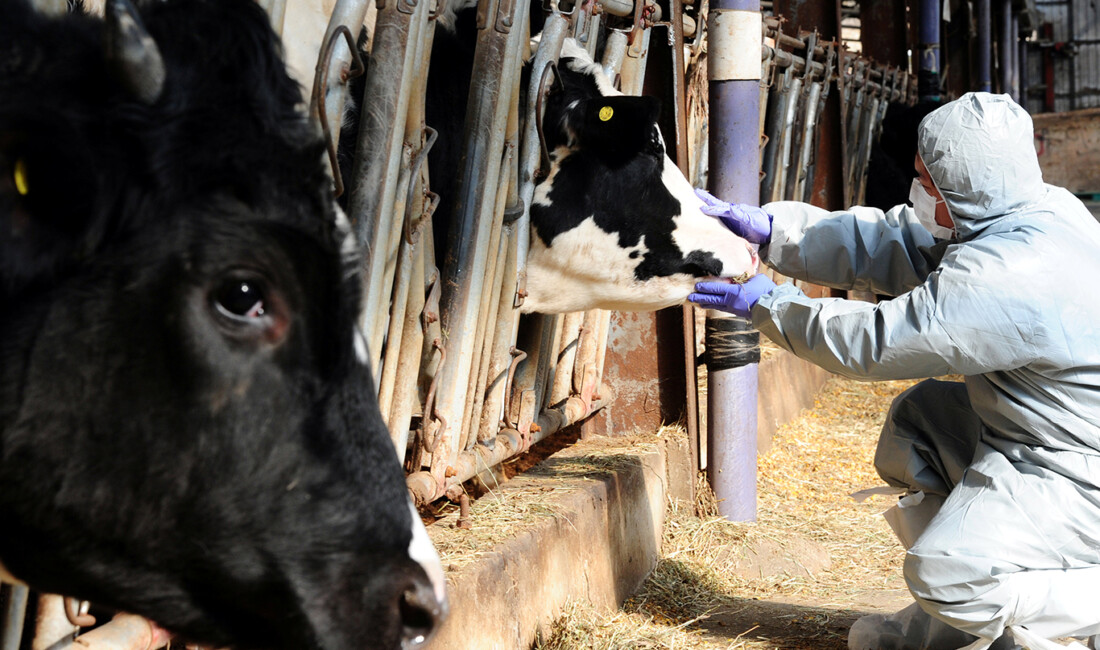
(20,176)
(605,113)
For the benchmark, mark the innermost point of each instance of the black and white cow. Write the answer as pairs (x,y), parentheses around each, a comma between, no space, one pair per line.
(615,225)
(187,429)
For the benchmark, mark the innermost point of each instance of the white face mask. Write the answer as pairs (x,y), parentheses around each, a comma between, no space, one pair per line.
(925,207)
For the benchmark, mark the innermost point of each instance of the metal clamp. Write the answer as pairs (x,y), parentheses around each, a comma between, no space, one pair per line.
(319,79)
(544,165)
(429,403)
(517,356)
(412,227)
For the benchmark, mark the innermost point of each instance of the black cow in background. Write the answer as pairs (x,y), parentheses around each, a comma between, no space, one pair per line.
(187,428)
(890,172)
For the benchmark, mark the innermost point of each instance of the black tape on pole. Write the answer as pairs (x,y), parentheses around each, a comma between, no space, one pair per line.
(731,343)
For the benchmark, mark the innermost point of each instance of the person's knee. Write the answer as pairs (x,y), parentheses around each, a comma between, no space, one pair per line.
(940,579)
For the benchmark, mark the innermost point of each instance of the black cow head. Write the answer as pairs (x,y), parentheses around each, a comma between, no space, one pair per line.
(186,429)
(615,225)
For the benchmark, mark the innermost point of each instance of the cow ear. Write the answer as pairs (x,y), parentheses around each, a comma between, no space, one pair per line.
(48,182)
(620,125)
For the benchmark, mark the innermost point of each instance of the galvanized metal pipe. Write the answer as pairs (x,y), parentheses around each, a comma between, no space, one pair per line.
(985,46)
(15,614)
(506,320)
(585,369)
(490,295)
(619,8)
(566,355)
(734,26)
(409,355)
(809,133)
(378,164)
(350,14)
(866,139)
(633,72)
(786,137)
(404,339)
(614,53)
(503,339)
(778,101)
(553,35)
(811,163)
(496,62)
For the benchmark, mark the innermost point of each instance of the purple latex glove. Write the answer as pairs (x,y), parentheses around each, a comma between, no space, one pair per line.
(746,221)
(737,299)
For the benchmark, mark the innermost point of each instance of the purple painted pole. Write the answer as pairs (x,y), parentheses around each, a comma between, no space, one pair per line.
(928,78)
(733,351)
(985,46)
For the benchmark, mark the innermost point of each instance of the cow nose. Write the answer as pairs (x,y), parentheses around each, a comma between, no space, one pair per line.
(421,612)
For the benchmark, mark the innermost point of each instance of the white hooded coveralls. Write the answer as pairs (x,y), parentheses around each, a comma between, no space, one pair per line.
(1008,533)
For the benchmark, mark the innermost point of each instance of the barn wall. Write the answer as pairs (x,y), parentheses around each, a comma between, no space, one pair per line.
(1068,145)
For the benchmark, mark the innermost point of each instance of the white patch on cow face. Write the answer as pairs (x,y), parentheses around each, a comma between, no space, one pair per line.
(585,268)
(348,246)
(423,553)
(696,231)
(359,343)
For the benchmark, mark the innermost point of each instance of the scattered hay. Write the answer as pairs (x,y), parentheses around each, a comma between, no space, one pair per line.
(804,484)
(530,497)
(580,626)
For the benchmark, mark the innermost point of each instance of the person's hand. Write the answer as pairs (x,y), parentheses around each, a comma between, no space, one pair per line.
(746,221)
(737,299)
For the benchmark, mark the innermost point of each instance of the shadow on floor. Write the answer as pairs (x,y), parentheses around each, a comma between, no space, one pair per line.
(677,592)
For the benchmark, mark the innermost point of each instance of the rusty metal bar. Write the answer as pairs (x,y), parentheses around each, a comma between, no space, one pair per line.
(388,89)
(510,442)
(506,321)
(350,15)
(490,296)
(496,62)
(565,356)
(553,35)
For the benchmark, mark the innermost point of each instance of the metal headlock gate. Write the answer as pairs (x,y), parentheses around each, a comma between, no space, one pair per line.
(464,382)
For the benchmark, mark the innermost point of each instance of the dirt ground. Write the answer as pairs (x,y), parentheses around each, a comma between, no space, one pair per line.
(814,561)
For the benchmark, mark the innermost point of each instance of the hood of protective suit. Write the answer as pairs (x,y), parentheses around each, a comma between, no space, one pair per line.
(980,153)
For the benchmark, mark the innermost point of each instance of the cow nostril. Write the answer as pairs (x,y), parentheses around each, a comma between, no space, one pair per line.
(420,613)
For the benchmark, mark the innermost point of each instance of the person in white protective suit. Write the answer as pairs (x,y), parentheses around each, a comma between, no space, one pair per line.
(995,276)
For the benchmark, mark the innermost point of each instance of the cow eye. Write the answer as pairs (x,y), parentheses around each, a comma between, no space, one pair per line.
(240,299)
(247,308)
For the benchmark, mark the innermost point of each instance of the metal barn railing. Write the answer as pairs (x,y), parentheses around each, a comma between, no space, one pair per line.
(464,381)
(799,74)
